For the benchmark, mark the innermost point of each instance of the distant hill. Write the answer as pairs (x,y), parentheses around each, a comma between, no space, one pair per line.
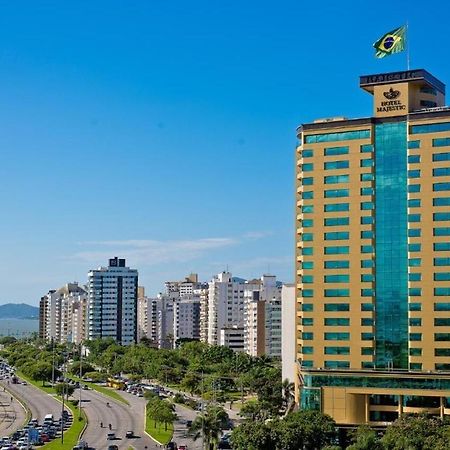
(18,311)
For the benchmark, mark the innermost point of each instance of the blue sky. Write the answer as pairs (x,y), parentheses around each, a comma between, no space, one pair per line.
(164,132)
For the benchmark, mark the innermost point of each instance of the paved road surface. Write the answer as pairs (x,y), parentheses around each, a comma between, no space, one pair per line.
(12,414)
(120,416)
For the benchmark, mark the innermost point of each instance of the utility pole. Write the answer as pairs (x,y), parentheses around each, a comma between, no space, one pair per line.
(62,410)
(53,362)
(81,372)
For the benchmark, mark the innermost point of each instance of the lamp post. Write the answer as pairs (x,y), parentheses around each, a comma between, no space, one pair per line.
(81,374)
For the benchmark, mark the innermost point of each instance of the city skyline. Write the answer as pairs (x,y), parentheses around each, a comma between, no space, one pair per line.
(163,134)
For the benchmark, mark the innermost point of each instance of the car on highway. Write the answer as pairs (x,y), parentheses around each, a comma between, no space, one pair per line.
(172,446)
(113,447)
(110,436)
(182,447)
(129,434)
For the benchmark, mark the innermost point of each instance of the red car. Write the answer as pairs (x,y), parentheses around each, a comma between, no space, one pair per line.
(182,447)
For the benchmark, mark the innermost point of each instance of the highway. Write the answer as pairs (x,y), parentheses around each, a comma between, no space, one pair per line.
(12,414)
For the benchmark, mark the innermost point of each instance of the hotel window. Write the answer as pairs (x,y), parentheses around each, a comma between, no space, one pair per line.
(414,292)
(337,250)
(414,262)
(367,220)
(414,247)
(415,277)
(441,172)
(333,151)
(307,208)
(366,148)
(442,336)
(307,153)
(414,232)
(442,292)
(428,104)
(307,237)
(367,307)
(412,188)
(308,251)
(308,195)
(307,350)
(415,366)
(442,352)
(415,306)
(336,336)
(307,279)
(367,234)
(441,231)
(336,292)
(336,322)
(336,278)
(337,350)
(367,263)
(415,352)
(336,236)
(414,173)
(414,203)
(337,264)
(308,181)
(441,201)
(307,307)
(441,157)
(441,187)
(415,322)
(341,136)
(333,307)
(308,167)
(335,179)
(337,364)
(335,193)
(442,276)
(366,336)
(367,292)
(367,177)
(307,223)
(307,336)
(306,363)
(366,322)
(307,321)
(413,159)
(335,221)
(439,217)
(307,265)
(441,246)
(307,293)
(441,142)
(415,336)
(367,191)
(442,366)
(413,144)
(336,207)
(442,322)
(334,165)
(367,249)
(443,306)
(367,277)
(430,128)
(365,206)
(428,90)
(366,163)
(366,351)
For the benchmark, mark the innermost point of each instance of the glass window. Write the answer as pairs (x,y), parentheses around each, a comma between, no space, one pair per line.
(413,217)
(442,276)
(337,292)
(413,159)
(333,307)
(335,179)
(337,278)
(336,322)
(442,352)
(413,144)
(367,234)
(414,232)
(307,279)
(307,307)
(337,250)
(307,321)
(333,151)
(307,209)
(367,292)
(307,237)
(337,264)
(367,191)
(367,206)
(307,181)
(335,221)
(367,177)
(333,165)
(428,90)
(414,247)
(441,201)
(334,207)
(337,364)
(414,262)
(336,336)
(337,350)
(441,172)
(441,187)
(415,352)
(307,336)
(414,292)
(414,173)
(307,265)
(441,142)
(367,220)
(307,223)
(367,249)
(307,293)
(367,277)
(414,203)
(367,263)
(413,306)
(336,235)
(414,276)
(307,167)
(430,128)
(442,322)
(366,148)
(366,163)
(415,336)
(306,363)
(308,251)
(415,322)
(442,336)
(341,136)
(366,322)
(441,156)
(307,153)
(441,292)
(441,261)
(441,231)
(307,350)
(366,351)
(366,336)
(412,188)
(438,217)
(415,366)
(308,195)
(333,193)
(367,307)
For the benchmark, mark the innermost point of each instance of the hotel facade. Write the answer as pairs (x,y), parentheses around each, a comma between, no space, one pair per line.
(373,255)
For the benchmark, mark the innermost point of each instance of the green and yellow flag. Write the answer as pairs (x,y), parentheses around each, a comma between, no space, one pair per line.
(392,42)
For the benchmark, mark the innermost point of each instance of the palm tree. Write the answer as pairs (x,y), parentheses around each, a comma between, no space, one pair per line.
(288,393)
(209,426)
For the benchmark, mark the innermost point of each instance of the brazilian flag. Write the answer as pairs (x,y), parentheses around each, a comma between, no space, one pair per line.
(392,42)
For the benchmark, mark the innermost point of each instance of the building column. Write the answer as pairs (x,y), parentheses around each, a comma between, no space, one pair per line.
(441,409)
(367,408)
(400,405)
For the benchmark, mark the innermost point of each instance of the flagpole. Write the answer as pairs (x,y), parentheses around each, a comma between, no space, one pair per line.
(407,45)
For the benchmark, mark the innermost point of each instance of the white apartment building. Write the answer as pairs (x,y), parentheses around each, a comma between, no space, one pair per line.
(204,312)
(186,319)
(288,334)
(262,317)
(232,337)
(113,302)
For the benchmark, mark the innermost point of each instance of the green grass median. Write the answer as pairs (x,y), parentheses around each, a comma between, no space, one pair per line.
(109,392)
(158,431)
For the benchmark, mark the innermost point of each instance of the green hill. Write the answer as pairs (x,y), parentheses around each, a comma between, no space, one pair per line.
(18,311)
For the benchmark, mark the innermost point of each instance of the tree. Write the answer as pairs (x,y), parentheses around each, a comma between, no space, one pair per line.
(253,436)
(364,438)
(288,391)
(85,367)
(255,410)
(41,371)
(209,426)
(191,383)
(64,388)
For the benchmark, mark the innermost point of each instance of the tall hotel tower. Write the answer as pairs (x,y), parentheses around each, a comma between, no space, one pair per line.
(373,255)
(113,302)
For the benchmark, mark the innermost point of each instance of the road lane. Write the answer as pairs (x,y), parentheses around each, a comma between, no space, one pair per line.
(12,414)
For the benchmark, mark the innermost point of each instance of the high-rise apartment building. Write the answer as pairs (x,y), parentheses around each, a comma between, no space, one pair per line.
(113,302)
(373,255)
(288,329)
